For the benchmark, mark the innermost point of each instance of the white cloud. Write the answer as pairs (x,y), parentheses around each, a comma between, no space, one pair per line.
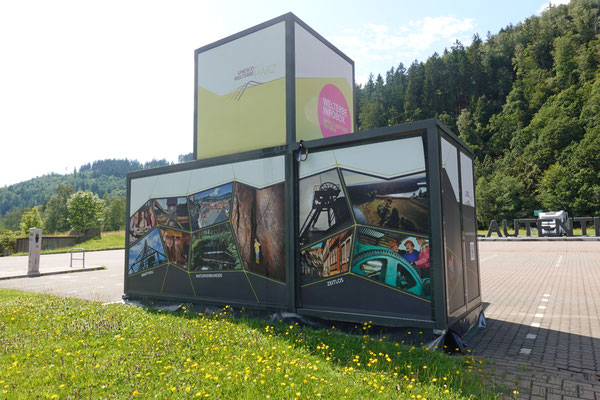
(371,43)
(554,3)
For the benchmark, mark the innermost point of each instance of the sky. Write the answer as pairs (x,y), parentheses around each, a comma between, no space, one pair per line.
(89,80)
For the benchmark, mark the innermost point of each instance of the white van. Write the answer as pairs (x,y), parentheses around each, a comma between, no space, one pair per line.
(549,224)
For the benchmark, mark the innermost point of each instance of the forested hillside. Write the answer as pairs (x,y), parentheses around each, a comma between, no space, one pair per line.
(101,177)
(526,99)
(44,199)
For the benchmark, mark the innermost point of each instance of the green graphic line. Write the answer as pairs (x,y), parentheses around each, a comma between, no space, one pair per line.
(312,173)
(212,271)
(192,284)
(164,278)
(196,191)
(328,278)
(264,277)
(251,287)
(254,185)
(380,175)
(211,226)
(392,288)
(457,257)
(153,187)
(343,182)
(149,269)
(374,227)
(327,237)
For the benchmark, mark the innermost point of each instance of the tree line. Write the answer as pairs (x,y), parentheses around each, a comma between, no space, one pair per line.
(91,197)
(526,100)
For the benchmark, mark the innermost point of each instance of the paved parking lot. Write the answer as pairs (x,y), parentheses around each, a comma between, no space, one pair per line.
(101,285)
(542,304)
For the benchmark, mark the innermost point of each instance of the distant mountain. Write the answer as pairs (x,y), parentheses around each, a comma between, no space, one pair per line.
(101,177)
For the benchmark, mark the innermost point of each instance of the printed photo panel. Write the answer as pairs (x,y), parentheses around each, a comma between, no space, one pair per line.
(214,249)
(172,212)
(399,203)
(324,83)
(328,258)
(240,94)
(394,259)
(323,207)
(141,223)
(258,221)
(177,246)
(210,207)
(469,227)
(146,253)
(455,285)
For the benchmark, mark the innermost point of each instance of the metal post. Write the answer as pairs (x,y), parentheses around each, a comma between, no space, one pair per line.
(82,258)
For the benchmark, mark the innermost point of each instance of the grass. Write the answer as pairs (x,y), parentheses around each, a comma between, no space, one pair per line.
(107,241)
(65,348)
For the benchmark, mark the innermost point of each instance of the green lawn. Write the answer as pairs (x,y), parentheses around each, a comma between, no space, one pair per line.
(107,241)
(65,348)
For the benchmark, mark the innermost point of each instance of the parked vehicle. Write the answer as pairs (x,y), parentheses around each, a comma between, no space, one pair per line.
(549,222)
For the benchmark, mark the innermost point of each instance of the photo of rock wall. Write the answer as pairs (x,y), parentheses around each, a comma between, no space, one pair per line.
(258,221)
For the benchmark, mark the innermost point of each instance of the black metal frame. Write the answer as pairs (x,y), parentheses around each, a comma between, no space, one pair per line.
(470,310)
(290,70)
(432,131)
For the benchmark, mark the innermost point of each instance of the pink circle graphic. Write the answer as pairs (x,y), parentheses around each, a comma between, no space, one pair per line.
(334,114)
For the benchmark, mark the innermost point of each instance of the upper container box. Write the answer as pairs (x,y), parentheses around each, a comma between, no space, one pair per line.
(276,83)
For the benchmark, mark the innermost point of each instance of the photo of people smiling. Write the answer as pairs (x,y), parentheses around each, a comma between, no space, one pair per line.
(393,258)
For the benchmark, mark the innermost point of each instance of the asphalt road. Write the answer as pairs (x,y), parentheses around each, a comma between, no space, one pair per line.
(102,285)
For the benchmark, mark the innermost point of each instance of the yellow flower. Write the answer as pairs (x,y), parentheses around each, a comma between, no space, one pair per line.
(135,393)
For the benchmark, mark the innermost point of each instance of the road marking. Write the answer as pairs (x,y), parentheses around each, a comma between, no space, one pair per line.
(542,307)
(530,336)
(487,258)
(535,324)
(118,284)
(546,295)
(525,351)
(544,299)
(558,262)
(539,315)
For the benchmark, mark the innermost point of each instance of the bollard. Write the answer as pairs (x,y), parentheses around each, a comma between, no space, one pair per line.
(35,247)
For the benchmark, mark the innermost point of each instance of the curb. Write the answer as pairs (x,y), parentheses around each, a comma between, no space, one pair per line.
(4,278)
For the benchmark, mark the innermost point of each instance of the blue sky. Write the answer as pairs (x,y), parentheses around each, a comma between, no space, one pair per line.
(82,81)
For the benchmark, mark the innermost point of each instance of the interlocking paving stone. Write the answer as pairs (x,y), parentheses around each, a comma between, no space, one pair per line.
(564,361)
